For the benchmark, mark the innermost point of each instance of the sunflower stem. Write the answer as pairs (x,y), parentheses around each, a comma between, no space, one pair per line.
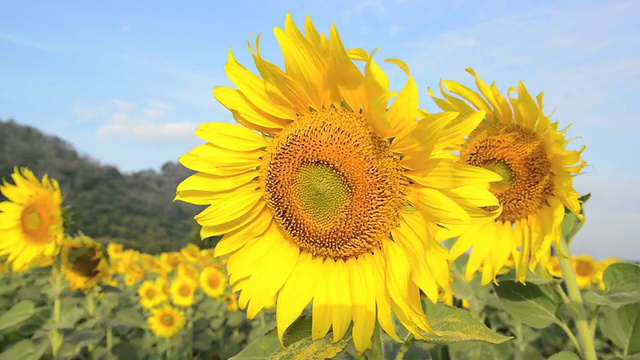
(109,342)
(55,335)
(408,340)
(377,348)
(587,347)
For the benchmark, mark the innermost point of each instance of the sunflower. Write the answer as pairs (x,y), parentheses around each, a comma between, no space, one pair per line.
(586,270)
(151,294)
(232,302)
(182,290)
(328,193)
(190,253)
(186,269)
(83,263)
(114,250)
(31,219)
(520,143)
(166,321)
(553,267)
(213,282)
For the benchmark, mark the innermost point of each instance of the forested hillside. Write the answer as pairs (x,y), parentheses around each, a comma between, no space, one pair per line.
(134,209)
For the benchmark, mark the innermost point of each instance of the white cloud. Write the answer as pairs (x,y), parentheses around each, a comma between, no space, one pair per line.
(149,120)
(16,40)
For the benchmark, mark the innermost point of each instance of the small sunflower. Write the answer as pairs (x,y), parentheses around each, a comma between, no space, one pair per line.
(166,321)
(328,193)
(151,294)
(213,282)
(188,270)
(519,142)
(83,263)
(182,291)
(191,253)
(31,219)
(115,251)
(553,267)
(232,302)
(586,270)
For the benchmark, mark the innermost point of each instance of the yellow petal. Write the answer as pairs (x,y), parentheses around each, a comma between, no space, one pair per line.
(252,86)
(240,105)
(234,240)
(340,299)
(297,291)
(230,136)
(364,300)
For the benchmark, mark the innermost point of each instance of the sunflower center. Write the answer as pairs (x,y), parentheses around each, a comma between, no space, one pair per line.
(151,294)
(519,156)
(35,223)
(333,185)
(583,268)
(321,191)
(166,320)
(86,264)
(213,281)
(184,290)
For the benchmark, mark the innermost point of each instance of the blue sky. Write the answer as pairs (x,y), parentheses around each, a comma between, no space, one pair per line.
(127,82)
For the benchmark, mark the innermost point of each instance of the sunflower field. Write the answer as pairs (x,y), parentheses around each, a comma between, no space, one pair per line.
(349,224)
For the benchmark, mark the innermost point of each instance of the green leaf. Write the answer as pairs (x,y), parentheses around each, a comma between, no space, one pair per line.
(622,326)
(533,278)
(129,317)
(298,342)
(622,286)
(534,305)
(474,350)
(454,325)
(22,350)
(564,355)
(18,314)
(618,274)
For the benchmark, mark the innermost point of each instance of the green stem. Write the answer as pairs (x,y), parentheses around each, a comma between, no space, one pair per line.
(405,346)
(570,334)
(109,342)
(55,335)
(189,314)
(377,349)
(169,348)
(587,348)
(520,343)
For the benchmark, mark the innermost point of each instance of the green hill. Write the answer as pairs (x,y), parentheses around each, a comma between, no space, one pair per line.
(134,209)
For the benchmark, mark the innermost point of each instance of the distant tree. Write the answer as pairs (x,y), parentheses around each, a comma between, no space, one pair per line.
(136,209)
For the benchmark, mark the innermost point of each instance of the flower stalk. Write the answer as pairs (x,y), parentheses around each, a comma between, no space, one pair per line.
(585,335)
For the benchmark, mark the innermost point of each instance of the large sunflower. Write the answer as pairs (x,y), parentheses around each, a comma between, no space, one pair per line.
(520,143)
(83,263)
(31,219)
(324,193)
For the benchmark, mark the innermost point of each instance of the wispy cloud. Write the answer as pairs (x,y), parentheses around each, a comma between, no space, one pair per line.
(149,121)
(20,41)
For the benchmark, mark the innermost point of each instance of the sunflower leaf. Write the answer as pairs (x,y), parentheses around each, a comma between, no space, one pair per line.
(298,344)
(564,355)
(479,350)
(452,325)
(622,286)
(622,327)
(23,349)
(534,305)
(18,314)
